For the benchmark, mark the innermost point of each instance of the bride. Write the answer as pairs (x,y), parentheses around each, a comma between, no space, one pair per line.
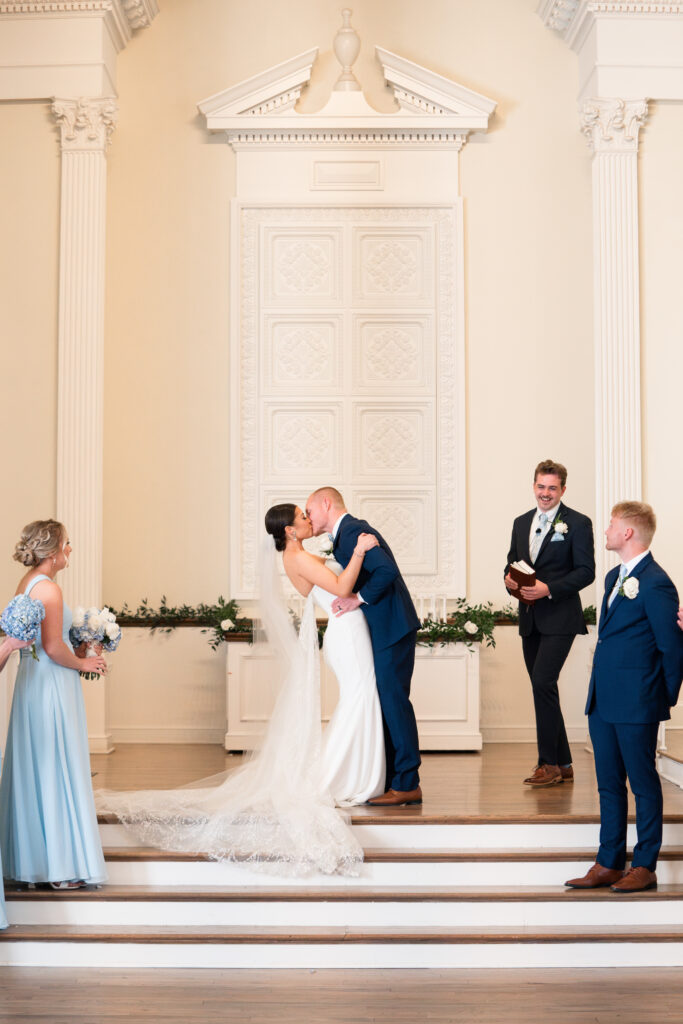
(276,812)
(353,765)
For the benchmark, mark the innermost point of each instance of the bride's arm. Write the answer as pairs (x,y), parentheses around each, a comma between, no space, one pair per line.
(314,572)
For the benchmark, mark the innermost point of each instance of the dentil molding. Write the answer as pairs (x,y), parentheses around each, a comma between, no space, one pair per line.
(125,15)
(613,125)
(85,124)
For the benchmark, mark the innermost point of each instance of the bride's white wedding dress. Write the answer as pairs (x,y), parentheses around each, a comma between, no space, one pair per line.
(353,743)
(276,812)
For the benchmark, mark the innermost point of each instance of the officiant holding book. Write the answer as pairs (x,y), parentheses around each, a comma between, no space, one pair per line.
(551,559)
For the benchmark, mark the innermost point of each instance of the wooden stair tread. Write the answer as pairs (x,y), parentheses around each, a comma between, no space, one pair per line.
(415,816)
(212,935)
(379,855)
(348,894)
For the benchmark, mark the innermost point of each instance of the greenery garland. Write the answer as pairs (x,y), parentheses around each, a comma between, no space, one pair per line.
(211,619)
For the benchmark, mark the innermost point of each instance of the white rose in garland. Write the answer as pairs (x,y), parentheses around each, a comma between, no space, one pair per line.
(471,627)
(227,624)
(630,587)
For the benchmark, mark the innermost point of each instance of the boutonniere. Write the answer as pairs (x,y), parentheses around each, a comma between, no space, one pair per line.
(559,528)
(326,545)
(629,588)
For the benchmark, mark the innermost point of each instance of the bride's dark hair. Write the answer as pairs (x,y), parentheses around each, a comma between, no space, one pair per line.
(277,518)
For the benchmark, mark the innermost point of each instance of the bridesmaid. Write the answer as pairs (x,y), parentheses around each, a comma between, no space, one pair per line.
(8,645)
(48,825)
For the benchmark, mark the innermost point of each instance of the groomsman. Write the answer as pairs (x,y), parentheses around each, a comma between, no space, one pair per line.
(635,680)
(558,543)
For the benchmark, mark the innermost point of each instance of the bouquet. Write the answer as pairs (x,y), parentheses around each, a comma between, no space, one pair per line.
(21,619)
(94,626)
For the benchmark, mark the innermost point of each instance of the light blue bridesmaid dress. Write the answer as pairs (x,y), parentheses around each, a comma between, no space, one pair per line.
(3,914)
(48,824)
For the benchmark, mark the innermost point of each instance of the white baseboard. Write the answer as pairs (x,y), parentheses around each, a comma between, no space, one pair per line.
(149,734)
(526,733)
(101,744)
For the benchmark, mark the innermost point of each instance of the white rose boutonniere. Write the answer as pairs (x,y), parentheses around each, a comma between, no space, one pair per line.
(629,588)
(471,627)
(560,527)
(326,545)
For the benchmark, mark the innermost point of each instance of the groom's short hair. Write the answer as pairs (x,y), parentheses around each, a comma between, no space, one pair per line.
(640,516)
(332,495)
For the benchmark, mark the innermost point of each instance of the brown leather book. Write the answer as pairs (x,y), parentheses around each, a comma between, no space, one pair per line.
(524,576)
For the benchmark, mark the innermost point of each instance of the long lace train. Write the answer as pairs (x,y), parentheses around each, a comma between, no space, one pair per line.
(273,812)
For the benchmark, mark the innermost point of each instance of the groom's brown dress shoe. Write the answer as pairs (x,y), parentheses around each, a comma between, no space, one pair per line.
(397,797)
(636,880)
(544,775)
(596,878)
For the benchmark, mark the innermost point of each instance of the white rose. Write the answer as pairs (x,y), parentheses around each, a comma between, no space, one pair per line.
(560,528)
(227,624)
(471,627)
(93,613)
(631,586)
(112,630)
(78,617)
(95,623)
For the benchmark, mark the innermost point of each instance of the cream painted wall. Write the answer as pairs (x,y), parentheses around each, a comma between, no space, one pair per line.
(29,247)
(661,204)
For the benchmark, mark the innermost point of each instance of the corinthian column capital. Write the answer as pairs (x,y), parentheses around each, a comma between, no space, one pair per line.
(85,125)
(612,125)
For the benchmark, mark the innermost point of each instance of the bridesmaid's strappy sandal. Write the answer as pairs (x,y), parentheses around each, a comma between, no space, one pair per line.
(74,883)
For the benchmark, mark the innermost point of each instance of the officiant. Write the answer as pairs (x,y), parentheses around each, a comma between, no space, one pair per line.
(556,543)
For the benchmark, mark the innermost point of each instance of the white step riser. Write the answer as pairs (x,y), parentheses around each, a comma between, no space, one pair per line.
(343,956)
(497,873)
(619,911)
(456,837)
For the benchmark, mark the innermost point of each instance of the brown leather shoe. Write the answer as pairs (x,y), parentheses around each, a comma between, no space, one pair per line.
(544,775)
(567,773)
(596,878)
(396,798)
(636,880)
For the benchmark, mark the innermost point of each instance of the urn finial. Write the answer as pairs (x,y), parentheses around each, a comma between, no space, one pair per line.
(346,49)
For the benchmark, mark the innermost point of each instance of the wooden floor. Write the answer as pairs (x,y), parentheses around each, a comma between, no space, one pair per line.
(459,787)
(342,997)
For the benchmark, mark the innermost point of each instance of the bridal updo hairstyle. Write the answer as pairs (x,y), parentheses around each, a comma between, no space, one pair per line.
(277,518)
(39,540)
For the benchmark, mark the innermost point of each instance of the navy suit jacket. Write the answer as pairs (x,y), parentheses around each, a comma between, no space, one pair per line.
(566,566)
(388,607)
(638,658)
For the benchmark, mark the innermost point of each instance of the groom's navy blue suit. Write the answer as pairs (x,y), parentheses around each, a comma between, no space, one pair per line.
(393,625)
(635,680)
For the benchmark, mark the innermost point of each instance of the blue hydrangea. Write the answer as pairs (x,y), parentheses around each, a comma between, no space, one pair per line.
(22,617)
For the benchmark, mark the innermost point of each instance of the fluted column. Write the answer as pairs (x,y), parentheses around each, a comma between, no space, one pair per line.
(86,126)
(611,127)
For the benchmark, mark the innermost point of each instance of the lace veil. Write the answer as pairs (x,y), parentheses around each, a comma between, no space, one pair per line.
(271,812)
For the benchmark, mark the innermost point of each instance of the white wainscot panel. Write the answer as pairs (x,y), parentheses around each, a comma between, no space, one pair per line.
(393,354)
(302,265)
(302,355)
(394,442)
(303,441)
(445,695)
(407,521)
(393,265)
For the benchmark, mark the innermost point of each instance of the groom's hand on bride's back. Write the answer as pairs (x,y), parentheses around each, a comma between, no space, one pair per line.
(342,605)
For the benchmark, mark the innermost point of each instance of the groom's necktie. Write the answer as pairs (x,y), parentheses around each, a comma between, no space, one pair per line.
(538,537)
(623,573)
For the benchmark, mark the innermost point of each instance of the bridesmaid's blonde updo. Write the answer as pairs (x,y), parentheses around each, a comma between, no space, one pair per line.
(39,540)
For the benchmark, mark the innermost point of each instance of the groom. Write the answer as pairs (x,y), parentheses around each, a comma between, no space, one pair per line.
(393,623)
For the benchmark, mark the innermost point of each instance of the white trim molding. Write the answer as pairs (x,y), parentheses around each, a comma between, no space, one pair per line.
(612,127)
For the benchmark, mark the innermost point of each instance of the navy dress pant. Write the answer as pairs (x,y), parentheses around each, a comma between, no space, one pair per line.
(626,749)
(394,670)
